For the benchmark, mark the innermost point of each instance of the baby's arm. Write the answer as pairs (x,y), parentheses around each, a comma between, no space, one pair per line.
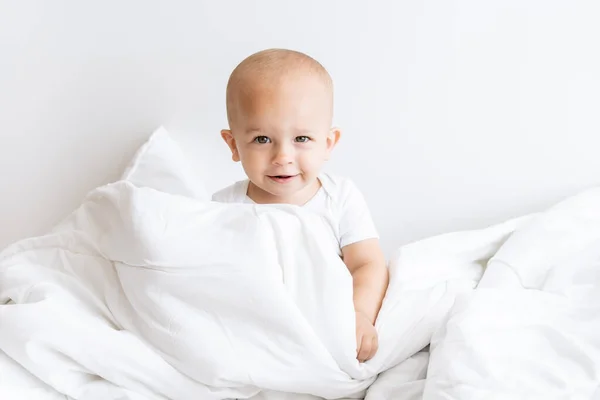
(366,262)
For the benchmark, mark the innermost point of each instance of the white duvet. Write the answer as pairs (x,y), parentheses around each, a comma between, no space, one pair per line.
(148,291)
(531,330)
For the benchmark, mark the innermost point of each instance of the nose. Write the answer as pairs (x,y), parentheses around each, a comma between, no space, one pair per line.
(284,154)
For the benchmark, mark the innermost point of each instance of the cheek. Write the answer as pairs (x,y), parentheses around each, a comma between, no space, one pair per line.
(313,159)
(252,158)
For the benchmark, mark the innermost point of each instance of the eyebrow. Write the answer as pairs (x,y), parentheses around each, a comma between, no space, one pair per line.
(296,131)
(303,131)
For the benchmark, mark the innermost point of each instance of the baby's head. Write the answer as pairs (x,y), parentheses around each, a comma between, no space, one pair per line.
(279,109)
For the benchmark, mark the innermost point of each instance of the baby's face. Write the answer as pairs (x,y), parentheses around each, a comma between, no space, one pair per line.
(282,135)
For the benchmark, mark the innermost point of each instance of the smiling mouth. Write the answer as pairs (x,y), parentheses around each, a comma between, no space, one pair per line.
(282,178)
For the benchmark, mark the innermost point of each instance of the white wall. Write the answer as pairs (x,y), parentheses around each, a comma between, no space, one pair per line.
(457,114)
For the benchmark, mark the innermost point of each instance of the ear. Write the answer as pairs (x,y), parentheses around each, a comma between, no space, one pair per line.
(332,139)
(230,140)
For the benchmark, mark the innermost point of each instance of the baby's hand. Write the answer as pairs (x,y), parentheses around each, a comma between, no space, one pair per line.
(366,338)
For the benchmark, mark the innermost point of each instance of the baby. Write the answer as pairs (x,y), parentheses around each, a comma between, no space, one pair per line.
(280,110)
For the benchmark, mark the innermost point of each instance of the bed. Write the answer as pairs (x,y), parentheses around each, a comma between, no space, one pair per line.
(148,290)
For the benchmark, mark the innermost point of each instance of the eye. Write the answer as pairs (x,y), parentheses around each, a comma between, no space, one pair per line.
(302,139)
(261,139)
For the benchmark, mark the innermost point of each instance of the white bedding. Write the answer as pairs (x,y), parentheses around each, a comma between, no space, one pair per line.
(149,291)
(531,330)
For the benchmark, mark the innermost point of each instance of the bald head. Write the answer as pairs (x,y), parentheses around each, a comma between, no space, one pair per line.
(268,70)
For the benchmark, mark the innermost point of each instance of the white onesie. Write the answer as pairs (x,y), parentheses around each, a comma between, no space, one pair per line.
(338,201)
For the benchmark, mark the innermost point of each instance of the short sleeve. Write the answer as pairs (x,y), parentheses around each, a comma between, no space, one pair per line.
(356,223)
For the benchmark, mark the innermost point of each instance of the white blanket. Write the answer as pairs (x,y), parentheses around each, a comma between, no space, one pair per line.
(148,291)
(531,330)
(143,294)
